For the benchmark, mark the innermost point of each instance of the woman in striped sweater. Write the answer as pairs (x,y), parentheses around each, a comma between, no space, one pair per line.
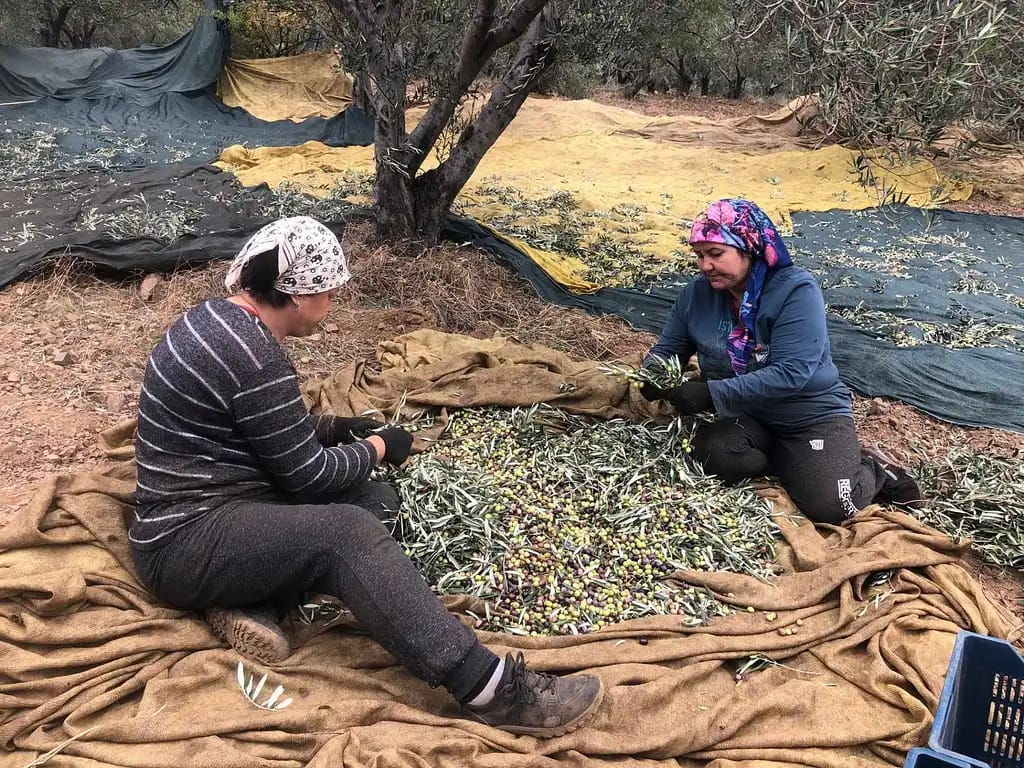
(245,500)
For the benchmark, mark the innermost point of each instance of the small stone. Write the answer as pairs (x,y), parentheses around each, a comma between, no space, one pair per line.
(772,616)
(314,337)
(149,286)
(799,622)
(51,457)
(305,360)
(331,328)
(878,407)
(13,377)
(783,631)
(115,402)
(644,641)
(64,358)
(750,609)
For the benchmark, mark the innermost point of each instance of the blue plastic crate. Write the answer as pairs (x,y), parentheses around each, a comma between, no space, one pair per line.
(980,719)
(925,758)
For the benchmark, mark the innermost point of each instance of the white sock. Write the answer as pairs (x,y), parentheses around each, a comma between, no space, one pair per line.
(486,696)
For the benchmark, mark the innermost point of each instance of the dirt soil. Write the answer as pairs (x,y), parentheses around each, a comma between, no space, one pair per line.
(711,107)
(76,343)
(76,347)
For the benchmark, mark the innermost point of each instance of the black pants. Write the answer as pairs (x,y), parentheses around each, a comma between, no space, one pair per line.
(821,467)
(250,553)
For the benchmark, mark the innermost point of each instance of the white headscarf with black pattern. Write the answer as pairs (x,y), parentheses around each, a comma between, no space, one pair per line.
(309,256)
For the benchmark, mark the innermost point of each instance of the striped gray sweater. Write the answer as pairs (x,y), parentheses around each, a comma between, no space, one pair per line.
(221,418)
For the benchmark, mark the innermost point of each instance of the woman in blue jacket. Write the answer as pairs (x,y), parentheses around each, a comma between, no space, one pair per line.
(757,325)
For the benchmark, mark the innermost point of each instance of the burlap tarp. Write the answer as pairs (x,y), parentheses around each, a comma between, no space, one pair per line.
(636,180)
(429,370)
(287,88)
(87,656)
(788,127)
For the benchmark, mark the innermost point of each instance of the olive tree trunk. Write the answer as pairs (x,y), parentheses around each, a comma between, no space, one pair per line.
(412,204)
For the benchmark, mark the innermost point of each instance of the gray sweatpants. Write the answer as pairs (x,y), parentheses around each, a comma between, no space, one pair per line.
(253,553)
(821,467)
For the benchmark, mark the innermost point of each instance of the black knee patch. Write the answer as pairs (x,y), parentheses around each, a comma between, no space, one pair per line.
(730,458)
(732,468)
(830,511)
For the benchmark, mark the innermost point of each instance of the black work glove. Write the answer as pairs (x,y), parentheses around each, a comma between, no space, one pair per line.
(397,444)
(650,392)
(349,429)
(691,397)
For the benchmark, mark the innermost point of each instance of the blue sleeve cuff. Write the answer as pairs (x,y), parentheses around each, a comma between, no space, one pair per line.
(720,398)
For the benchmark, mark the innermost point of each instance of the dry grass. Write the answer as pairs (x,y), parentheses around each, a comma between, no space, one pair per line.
(464,291)
(50,414)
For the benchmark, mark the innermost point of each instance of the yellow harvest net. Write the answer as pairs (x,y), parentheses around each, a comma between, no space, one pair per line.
(287,88)
(603,195)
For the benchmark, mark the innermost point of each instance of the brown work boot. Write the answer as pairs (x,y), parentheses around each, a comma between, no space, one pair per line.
(537,704)
(253,633)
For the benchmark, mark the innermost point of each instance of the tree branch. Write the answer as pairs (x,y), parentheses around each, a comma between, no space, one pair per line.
(518,21)
(478,46)
(443,106)
(535,54)
(362,15)
(476,35)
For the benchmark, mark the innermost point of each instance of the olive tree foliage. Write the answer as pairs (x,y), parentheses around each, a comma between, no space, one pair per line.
(266,29)
(88,23)
(680,45)
(431,35)
(440,48)
(902,72)
(739,58)
(655,49)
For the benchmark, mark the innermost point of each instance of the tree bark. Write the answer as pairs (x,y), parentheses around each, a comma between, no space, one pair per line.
(79,33)
(478,45)
(395,208)
(437,189)
(53,20)
(362,93)
(413,205)
(736,86)
(705,85)
(684,80)
(641,81)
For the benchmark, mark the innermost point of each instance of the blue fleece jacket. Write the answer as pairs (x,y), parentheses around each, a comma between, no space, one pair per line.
(791,381)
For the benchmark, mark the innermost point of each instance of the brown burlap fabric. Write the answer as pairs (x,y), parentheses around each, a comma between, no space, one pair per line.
(431,370)
(86,654)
